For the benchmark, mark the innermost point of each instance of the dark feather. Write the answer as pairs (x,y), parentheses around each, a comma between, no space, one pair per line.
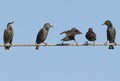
(111,33)
(70,34)
(42,34)
(90,35)
(8,36)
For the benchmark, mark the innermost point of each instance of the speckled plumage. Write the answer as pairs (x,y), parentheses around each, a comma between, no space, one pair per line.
(70,34)
(8,35)
(90,35)
(42,34)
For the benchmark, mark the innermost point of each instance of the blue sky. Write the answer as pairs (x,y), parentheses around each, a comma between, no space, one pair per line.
(59,63)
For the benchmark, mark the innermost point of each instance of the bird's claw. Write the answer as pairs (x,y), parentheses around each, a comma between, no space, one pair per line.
(86,43)
(76,44)
(93,43)
(62,43)
(45,44)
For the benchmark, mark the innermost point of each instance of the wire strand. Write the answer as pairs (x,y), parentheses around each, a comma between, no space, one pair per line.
(66,44)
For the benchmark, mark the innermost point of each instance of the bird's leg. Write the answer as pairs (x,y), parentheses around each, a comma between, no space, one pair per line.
(94,43)
(106,43)
(62,43)
(45,43)
(86,43)
(76,42)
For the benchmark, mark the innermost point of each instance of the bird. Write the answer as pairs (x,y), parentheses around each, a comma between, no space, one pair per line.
(111,33)
(42,34)
(90,35)
(8,36)
(70,35)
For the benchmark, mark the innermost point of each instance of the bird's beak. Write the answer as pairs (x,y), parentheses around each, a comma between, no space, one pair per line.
(80,33)
(52,26)
(103,24)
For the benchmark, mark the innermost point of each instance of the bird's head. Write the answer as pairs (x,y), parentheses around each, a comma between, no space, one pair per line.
(76,30)
(90,29)
(9,24)
(48,25)
(108,23)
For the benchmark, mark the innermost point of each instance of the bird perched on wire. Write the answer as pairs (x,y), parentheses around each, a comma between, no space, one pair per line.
(8,36)
(111,33)
(90,35)
(70,35)
(42,34)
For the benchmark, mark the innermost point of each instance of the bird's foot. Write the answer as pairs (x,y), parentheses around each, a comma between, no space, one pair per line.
(62,43)
(86,43)
(45,43)
(93,43)
(76,44)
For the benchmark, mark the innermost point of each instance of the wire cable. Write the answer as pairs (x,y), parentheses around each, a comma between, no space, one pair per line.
(66,44)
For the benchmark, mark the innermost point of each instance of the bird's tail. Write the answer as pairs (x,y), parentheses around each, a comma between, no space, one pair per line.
(7,47)
(111,46)
(62,32)
(37,48)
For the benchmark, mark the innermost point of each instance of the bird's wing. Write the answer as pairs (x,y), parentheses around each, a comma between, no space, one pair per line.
(6,35)
(74,32)
(93,35)
(114,33)
(40,35)
(11,36)
(111,33)
(77,31)
(88,35)
(66,32)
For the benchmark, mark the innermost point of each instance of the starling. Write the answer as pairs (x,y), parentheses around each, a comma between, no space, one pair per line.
(111,33)
(90,35)
(8,36)
(70,35)
(42,34)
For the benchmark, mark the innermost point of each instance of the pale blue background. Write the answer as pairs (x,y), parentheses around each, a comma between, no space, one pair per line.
(59,63)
